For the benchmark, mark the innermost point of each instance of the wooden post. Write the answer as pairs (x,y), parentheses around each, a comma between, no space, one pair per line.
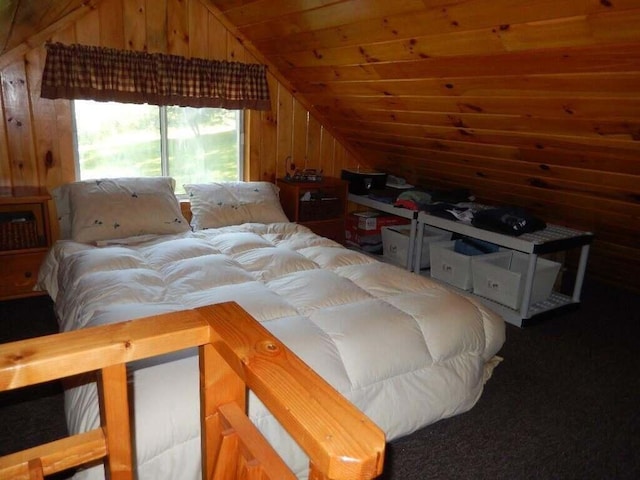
(114,415)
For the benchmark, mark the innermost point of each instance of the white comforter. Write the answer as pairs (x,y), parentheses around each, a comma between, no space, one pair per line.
(404,349)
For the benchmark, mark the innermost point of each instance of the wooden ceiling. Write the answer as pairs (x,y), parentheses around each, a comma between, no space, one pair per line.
(501,96)
(528,102)
(532,102)
(25,20)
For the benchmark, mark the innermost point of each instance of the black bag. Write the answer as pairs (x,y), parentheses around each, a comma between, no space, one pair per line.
(508,220)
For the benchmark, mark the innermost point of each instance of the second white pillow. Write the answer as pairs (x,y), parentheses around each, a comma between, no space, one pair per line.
(219,204)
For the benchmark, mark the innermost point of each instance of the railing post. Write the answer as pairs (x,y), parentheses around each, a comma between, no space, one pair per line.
(315,473)
(114,413)
(35,469)
(219,384)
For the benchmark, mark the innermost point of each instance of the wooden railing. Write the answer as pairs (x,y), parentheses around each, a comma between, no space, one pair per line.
(236,353)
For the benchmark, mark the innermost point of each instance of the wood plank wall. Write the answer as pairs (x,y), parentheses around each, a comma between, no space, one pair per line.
(534,103)
(36,135)
(540,110)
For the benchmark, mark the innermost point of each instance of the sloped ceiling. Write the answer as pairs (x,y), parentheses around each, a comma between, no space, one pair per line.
(529,102)
(20,20)
(533,103)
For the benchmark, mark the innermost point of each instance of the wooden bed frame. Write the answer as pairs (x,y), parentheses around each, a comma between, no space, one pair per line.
(236,353)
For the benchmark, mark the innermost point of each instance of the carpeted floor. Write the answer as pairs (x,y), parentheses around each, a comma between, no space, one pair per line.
(33,415)
(564,403)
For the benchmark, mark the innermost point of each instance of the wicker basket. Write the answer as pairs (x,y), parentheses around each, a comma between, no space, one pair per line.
(320,209)
(18,231)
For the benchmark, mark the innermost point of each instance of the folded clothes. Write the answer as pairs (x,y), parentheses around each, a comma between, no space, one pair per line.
(421,199)
(413,200)
(472,246)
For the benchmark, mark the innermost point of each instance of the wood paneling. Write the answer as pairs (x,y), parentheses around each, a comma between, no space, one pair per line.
(532,103)
(37,145)
(528,102)
(19,131)
(112,24)
(20,20)
(156,25)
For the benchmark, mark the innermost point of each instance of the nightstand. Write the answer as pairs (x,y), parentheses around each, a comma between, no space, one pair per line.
(321,206)
(25,237)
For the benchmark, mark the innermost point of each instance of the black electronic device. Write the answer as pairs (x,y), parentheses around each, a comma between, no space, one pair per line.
(361,182)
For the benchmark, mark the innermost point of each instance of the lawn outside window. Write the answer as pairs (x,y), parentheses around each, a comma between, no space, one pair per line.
(192,145)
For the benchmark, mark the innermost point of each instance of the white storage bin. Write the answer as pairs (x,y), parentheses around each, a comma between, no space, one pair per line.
(501,277)
(450,266)
(395,243)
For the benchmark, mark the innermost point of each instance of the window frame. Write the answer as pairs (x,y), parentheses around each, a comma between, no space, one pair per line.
(164,141)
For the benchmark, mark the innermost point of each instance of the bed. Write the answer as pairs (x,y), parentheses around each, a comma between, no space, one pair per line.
(405,350)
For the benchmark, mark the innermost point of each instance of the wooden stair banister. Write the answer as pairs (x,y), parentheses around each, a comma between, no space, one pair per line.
(236,353)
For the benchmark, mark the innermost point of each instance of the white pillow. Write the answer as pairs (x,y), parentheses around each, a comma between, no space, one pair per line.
(220,204)
(106,209)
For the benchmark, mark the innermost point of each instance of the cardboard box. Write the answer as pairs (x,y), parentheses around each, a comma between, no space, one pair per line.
(369,241)
(395,243)
(501,277)
(363,229)
(364,220)
(374,221)
(450,266)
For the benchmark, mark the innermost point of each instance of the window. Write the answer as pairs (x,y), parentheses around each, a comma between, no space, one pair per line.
(192,145)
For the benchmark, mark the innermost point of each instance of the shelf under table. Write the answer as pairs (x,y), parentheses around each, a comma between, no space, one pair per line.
(553,238)
(412,215)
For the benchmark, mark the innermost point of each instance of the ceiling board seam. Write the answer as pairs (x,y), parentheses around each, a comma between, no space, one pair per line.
(510,161)
(604,145)
(516,133)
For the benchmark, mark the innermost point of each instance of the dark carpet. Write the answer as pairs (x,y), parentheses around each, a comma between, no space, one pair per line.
(564,403)
(33,415)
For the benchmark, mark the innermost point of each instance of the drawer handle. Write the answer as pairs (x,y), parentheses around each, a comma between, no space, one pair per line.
(27,281)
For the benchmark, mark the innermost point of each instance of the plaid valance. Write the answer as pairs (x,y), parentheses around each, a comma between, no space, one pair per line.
(106,74)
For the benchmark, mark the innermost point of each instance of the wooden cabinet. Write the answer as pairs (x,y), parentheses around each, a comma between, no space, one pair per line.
(321,206)
(25,238)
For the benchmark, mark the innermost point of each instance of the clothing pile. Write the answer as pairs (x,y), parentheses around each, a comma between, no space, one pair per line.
(458,205)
